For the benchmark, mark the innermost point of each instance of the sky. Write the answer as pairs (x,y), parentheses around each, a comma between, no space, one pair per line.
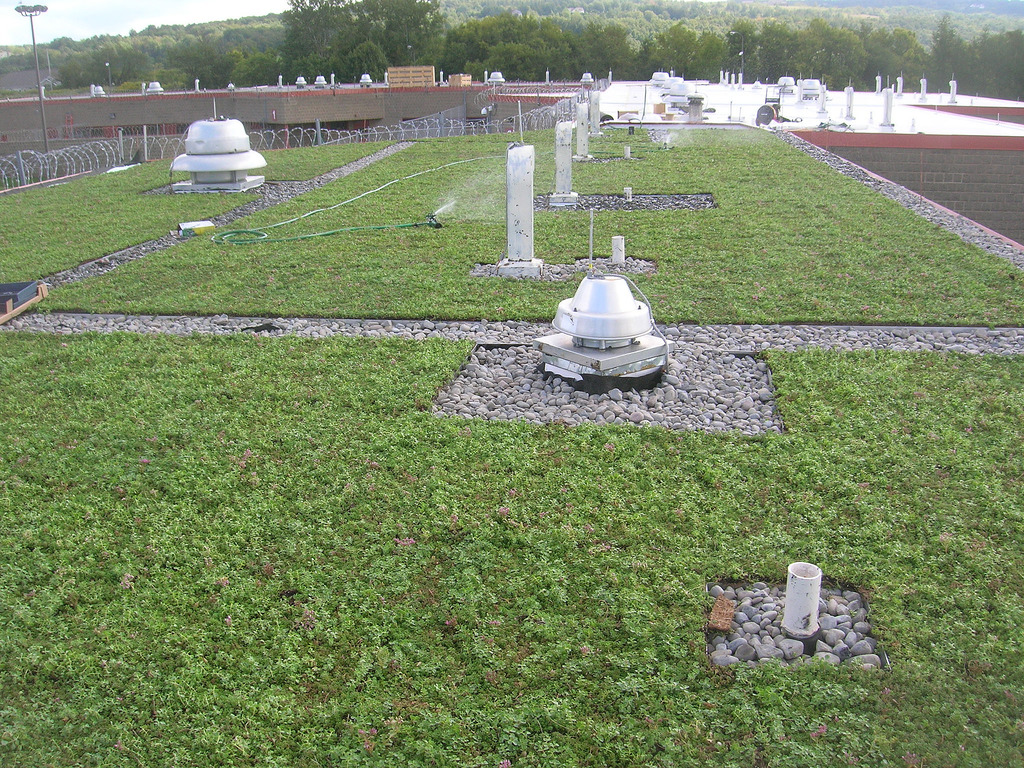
(79,19)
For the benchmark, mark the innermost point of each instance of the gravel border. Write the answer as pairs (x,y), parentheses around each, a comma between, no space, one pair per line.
(269,195)
(696,202)
(741,339)
(551,273)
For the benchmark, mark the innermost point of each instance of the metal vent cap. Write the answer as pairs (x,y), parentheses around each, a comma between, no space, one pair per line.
(216,137)
(603,313)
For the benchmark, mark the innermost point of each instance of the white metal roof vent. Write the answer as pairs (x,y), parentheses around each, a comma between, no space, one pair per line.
(154,87)
(812,87)
(495,78)
(680,88)
(659,78)
(217,158)
(300,82)
(587,79)
(320,82)
(603,314)
(606,338)
(366,81)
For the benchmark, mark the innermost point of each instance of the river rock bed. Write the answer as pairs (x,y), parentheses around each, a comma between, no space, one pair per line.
(756,635)
(553,273)
(700,390)
(695,202)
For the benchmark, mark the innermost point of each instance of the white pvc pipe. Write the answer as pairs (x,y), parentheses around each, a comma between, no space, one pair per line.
(924,89)
(803,590)
(519,203)
(849,102)
(627,153)
(582,131)
(563,158)
(618,249)
(595,113)
(952,91)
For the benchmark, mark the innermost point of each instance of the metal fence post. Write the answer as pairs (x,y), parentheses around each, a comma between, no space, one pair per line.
(21,170)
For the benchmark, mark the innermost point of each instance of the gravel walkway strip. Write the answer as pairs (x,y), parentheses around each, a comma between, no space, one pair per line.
(714,381)
(270,194)
(737,339)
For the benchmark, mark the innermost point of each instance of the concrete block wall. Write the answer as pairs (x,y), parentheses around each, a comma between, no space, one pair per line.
(68,117)
(986,185)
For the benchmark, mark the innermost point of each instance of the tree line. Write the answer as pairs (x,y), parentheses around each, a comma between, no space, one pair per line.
(353,37)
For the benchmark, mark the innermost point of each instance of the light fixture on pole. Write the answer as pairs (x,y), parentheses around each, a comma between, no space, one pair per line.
(110,82)
(32,11)
(743,47)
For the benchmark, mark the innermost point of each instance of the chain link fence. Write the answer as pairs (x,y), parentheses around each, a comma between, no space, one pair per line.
(29,167)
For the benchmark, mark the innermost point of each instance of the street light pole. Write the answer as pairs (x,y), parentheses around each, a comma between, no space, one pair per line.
(110,82)
(743,48)
(32,11)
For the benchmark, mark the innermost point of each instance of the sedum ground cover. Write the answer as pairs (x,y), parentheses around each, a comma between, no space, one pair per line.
(790,241)
(239,551)
(233,551)
(47,230)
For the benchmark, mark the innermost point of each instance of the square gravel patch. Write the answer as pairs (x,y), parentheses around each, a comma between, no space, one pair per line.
(701,390)
(754,634)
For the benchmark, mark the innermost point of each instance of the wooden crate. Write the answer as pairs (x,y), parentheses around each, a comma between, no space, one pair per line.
(411,77)
(15,298)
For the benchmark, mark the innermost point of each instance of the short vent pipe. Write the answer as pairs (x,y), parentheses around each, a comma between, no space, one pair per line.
(803,591)
(618,249)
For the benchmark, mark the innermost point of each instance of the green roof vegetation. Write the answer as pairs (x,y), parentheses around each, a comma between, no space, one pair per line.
(789,241)
(47,230)
(267,551)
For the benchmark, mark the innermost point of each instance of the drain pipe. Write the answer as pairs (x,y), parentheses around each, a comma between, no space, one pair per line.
(803,590)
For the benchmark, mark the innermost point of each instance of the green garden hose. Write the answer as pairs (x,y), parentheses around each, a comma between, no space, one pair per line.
(249,236)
